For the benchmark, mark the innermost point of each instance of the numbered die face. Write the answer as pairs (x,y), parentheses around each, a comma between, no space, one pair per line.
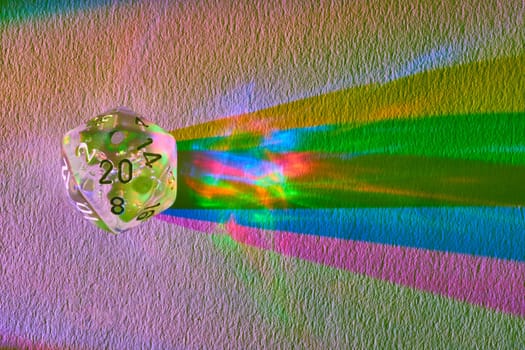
(119,169)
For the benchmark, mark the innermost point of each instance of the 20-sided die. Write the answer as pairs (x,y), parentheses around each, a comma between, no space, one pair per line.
(119,169)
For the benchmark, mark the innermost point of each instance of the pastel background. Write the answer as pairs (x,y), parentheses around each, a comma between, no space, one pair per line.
(429,272)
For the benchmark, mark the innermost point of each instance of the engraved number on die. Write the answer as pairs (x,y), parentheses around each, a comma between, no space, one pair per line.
(124,176)
(117,205)
(150,157)
(84,147)
(82,207)
(139,121)
(149,142)
(100,119)
(148,213)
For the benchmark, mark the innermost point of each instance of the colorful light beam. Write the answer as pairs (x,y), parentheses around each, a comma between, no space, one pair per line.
(418,172)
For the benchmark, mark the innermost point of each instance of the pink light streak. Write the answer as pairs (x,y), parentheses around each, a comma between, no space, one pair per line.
(487,282)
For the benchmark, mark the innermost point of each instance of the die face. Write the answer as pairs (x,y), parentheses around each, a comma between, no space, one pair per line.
(78,200)
(122,169)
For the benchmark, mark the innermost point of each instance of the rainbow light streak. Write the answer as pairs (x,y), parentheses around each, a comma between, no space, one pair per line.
(488,282)
(425,171)
(410,162)
(470,89)
(16,11)
(492,232)
(321,179)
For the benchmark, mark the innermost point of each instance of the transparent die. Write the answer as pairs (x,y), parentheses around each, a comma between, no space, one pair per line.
(120,169)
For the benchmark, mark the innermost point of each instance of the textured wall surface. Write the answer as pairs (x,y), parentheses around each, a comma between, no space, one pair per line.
(174,283)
